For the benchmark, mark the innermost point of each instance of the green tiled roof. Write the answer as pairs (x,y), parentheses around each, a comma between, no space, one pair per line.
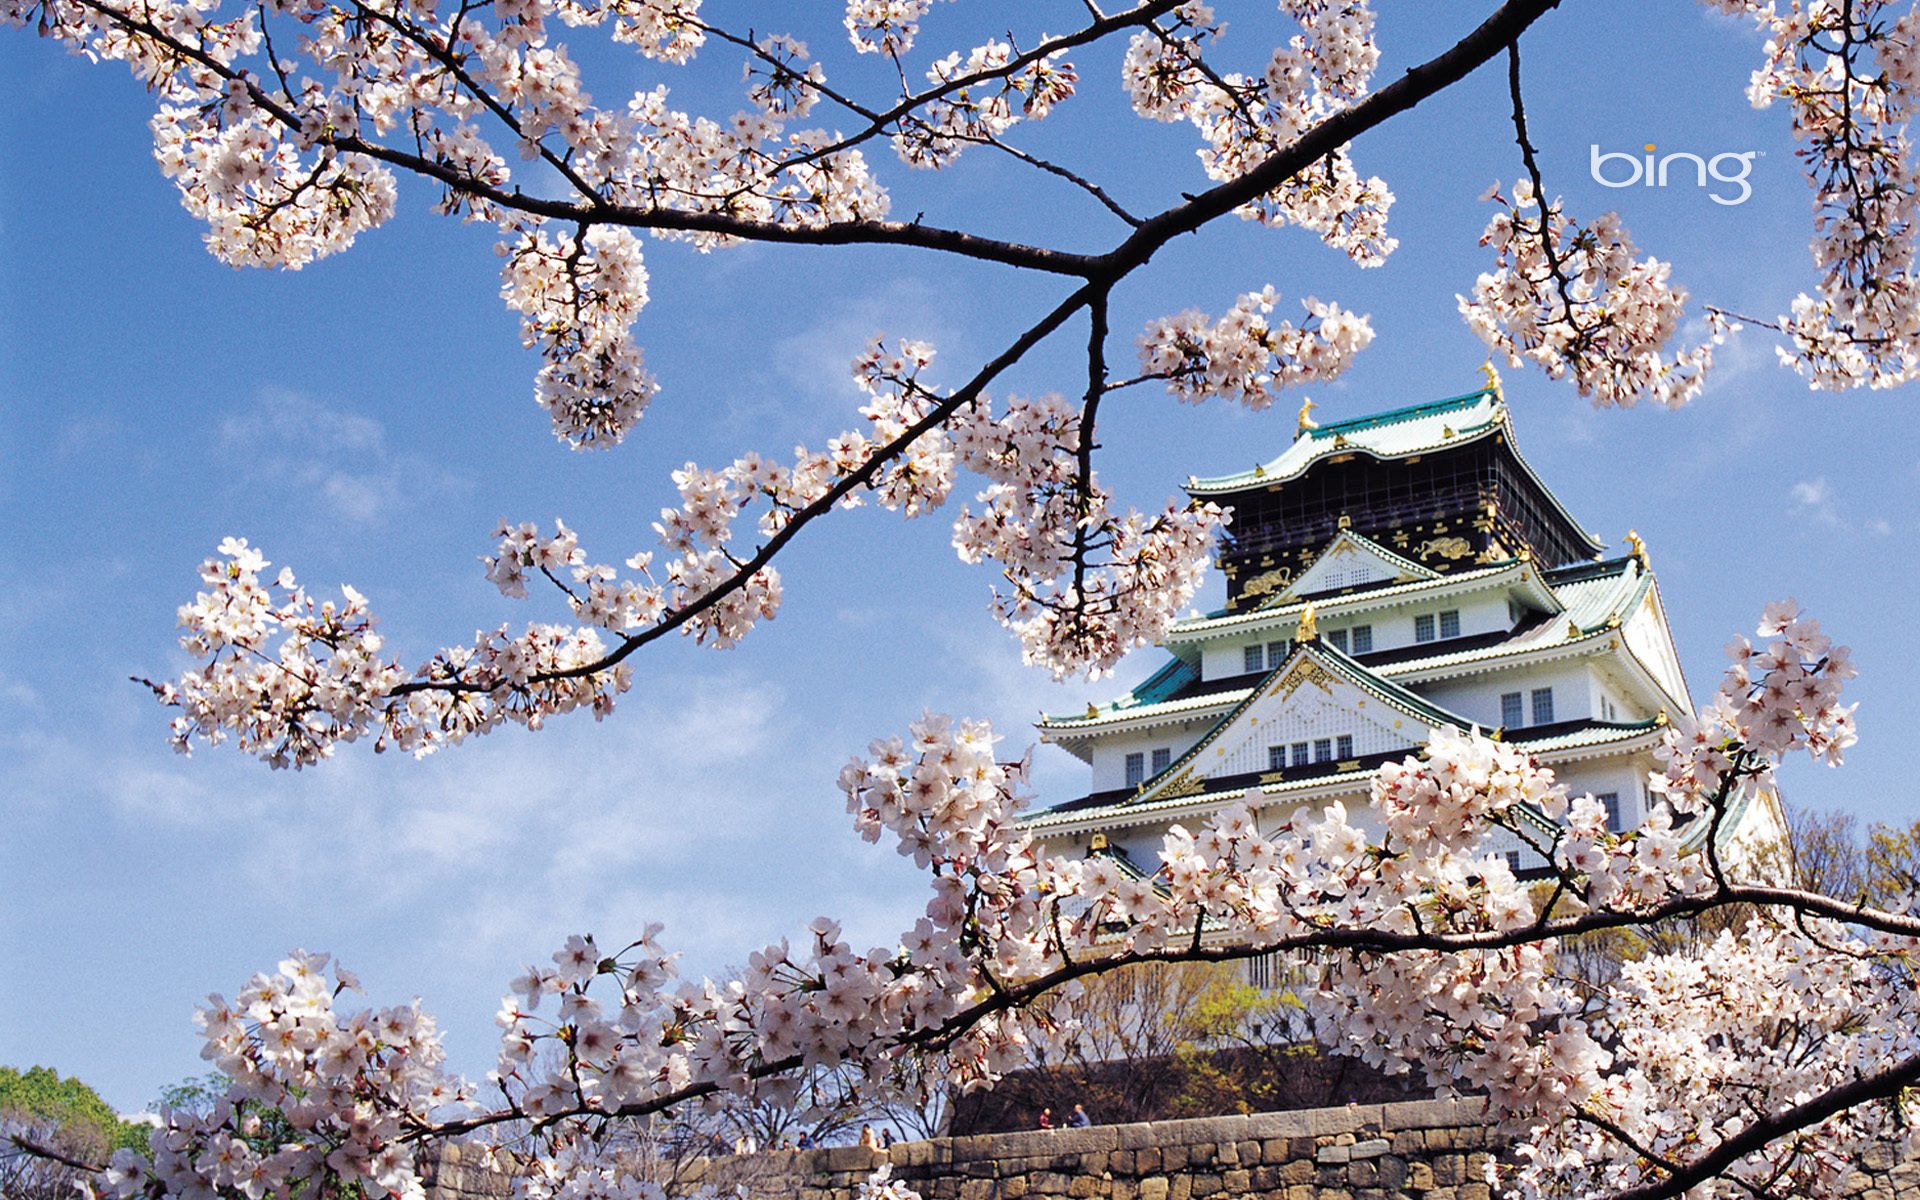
(1397,433)
(1130,810)
(1598,593)
(1392,434)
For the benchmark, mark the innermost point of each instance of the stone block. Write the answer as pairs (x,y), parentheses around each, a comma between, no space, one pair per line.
(1333,1154)
(1205,1183)
(1013,1186)
(1237,1182)
(1274,1150)
(1048,1181)
(1154,1187)
(976,1189)
(1324,1121)
(1148,1161)
(1300,1170)
(847,1158)
(1138,1136)
(1084,1187)
(1363,1173)
(1278,1125)
(1479,1167)
(1419,1175)
(1393,1172)
(1179,1187)
(1173,1158)
(1449,1170)
(1120,1162)
(1371,1148)
(1474,1191)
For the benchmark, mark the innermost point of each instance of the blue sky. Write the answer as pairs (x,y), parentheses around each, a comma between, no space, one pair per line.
(368,419)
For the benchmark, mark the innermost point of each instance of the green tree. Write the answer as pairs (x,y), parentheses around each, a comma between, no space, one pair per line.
(40,1096)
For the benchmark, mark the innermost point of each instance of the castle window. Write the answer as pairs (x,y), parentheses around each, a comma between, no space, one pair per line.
(1511,710)
(1339,639)
(1276,758)
(1612,801)
(1276,654)
(1136,768)
(1250,657)
(1343,746)
(1323,750)
(1513,861)
(1450,623)
(1363,639)
(1299,754)
(1543,706)
(1161,757)
(1423,627)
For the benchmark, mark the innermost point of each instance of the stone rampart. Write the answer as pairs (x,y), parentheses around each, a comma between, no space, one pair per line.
(1415,1150)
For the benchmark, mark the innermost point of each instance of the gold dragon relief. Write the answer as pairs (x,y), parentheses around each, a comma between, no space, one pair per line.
(1267,583)
(1453,549)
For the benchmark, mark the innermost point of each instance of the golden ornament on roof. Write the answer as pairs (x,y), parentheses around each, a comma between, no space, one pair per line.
(1306,415)
(1638,547)
(1309,626)
(1492,374)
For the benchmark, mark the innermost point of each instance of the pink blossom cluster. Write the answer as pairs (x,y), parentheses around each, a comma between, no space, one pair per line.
(1773,700)
(1707,1045)
(1848,71)
(998,98)
(1573,300)
(580,297)
(354,1089)
(885,26)
(286,676)
(1086,583)
(1245,120)
(1247,358)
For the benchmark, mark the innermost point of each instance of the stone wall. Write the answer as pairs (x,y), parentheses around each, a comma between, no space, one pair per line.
(1429,1150)
(1414,1150)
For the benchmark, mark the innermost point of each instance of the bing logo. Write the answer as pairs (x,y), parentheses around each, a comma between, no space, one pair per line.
(1652,171)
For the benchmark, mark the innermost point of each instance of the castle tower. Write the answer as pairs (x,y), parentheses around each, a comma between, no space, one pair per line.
(1387,577)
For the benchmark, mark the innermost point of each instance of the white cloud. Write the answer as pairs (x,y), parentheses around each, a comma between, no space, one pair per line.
(814,366)
(294,442)
(1812,493)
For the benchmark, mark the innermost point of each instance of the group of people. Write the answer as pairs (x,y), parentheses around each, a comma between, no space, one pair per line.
(1077,1119)
(871,1141)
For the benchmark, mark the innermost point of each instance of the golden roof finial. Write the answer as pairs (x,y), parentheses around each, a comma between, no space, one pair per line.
(1093,710)
(1306,416)
(1493,378)
(1637,547)
(1309,625)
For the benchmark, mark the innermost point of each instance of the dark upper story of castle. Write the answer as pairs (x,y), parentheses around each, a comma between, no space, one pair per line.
(1440,484)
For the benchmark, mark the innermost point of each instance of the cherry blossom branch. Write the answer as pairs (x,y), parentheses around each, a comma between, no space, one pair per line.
(1881,1085)
(910,102)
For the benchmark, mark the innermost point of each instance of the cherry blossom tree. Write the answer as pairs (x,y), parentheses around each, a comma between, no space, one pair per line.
(292,127)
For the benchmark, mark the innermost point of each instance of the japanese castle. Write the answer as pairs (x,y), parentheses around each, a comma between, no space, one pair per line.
(1386,577)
